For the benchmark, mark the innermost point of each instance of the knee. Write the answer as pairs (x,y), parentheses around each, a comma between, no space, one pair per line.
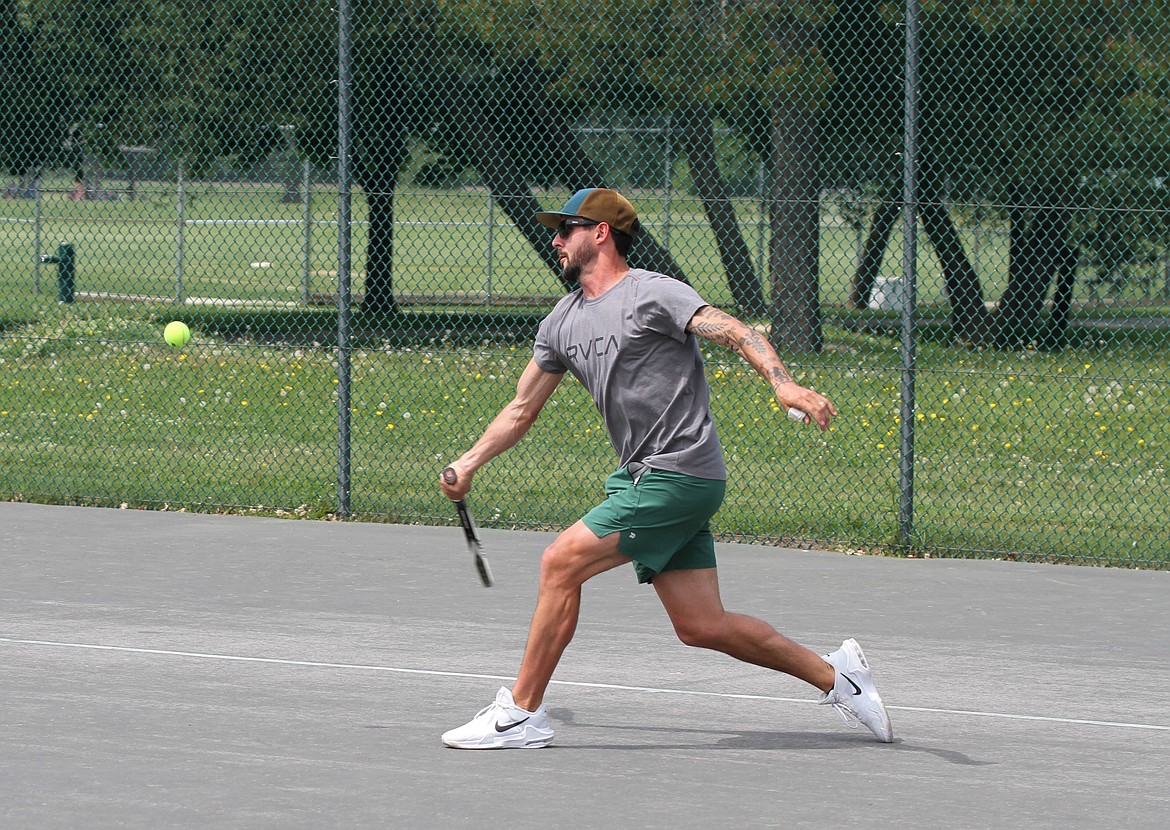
(698,633)
(559,567)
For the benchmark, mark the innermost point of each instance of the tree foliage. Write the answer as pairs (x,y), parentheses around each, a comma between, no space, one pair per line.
(34,107)
(1062,100)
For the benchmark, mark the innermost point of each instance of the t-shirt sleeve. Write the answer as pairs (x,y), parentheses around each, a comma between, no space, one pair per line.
(667,306)
(543,352)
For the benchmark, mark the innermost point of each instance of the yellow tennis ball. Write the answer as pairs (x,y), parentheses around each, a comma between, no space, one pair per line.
(176,333)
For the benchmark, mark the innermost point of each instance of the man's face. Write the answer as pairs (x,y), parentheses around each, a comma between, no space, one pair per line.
(575,249)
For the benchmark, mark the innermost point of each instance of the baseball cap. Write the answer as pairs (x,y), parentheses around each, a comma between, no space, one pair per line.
(598,204)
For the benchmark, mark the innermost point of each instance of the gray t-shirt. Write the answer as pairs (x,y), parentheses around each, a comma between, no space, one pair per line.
(630,349)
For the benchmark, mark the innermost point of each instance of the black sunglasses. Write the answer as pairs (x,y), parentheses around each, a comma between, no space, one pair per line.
(567,225)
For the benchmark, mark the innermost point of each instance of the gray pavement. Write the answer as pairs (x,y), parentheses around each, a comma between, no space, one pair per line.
(187,671)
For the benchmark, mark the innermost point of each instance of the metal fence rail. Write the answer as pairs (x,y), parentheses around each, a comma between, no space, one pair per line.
(951,218)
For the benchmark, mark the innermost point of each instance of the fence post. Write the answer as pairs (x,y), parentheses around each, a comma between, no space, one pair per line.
(668,162)
(344,240)
(491,226)
(762,225)
(37,243)
(180,226)
(306,230)
(1166,275)
(909,275)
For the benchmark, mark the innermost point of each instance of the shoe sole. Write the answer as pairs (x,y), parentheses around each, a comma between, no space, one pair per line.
(535,744)
(521,741)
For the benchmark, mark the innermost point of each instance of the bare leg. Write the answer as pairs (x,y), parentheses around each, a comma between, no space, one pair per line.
(691,599)
(573,558)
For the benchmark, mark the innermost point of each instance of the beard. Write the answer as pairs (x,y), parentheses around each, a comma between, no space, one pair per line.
(585,257)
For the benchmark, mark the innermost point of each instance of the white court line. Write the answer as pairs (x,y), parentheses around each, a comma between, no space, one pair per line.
(580,684)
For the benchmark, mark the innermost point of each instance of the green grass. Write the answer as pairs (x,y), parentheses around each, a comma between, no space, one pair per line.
(239,242)
(1019,455)
(1026,455)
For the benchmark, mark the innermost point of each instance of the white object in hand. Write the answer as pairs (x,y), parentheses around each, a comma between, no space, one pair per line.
(797,415)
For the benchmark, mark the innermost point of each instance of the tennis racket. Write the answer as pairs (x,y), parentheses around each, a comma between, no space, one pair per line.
(470,531)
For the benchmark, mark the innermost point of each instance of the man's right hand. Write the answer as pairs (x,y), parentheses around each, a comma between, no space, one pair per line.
(455,481)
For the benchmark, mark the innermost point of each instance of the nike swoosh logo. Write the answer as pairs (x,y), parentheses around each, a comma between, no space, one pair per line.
(504,727)
(856,688)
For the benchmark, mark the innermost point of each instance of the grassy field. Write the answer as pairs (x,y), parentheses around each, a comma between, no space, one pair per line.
(1019,455)
(239,242)
(1022,455)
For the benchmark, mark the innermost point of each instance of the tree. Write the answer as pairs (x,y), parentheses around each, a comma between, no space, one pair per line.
(757,66)
(422,70)
(34,110)
(682,71)
(698,143)
(514,66)
(1021,102)
(494,84)
(861,127)
(1018,98)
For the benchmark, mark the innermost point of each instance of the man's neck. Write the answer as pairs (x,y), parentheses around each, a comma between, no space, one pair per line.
(602,278)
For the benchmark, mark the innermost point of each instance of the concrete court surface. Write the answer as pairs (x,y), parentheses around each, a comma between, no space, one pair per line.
(167,670)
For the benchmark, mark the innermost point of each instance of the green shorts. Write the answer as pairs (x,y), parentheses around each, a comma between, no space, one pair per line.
(664,519)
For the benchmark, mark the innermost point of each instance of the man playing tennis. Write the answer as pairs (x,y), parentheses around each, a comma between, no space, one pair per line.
(631,338)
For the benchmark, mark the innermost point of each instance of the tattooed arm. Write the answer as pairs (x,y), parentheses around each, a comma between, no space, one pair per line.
(720,327)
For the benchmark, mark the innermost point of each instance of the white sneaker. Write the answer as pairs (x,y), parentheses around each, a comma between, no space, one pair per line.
(502,725)
(853,694)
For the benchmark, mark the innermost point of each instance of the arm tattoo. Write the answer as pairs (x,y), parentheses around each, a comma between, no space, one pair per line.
(720,327)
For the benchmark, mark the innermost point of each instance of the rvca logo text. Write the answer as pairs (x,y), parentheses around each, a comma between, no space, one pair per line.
(597,347)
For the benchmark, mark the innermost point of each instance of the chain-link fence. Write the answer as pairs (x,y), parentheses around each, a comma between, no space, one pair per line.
(952,218)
